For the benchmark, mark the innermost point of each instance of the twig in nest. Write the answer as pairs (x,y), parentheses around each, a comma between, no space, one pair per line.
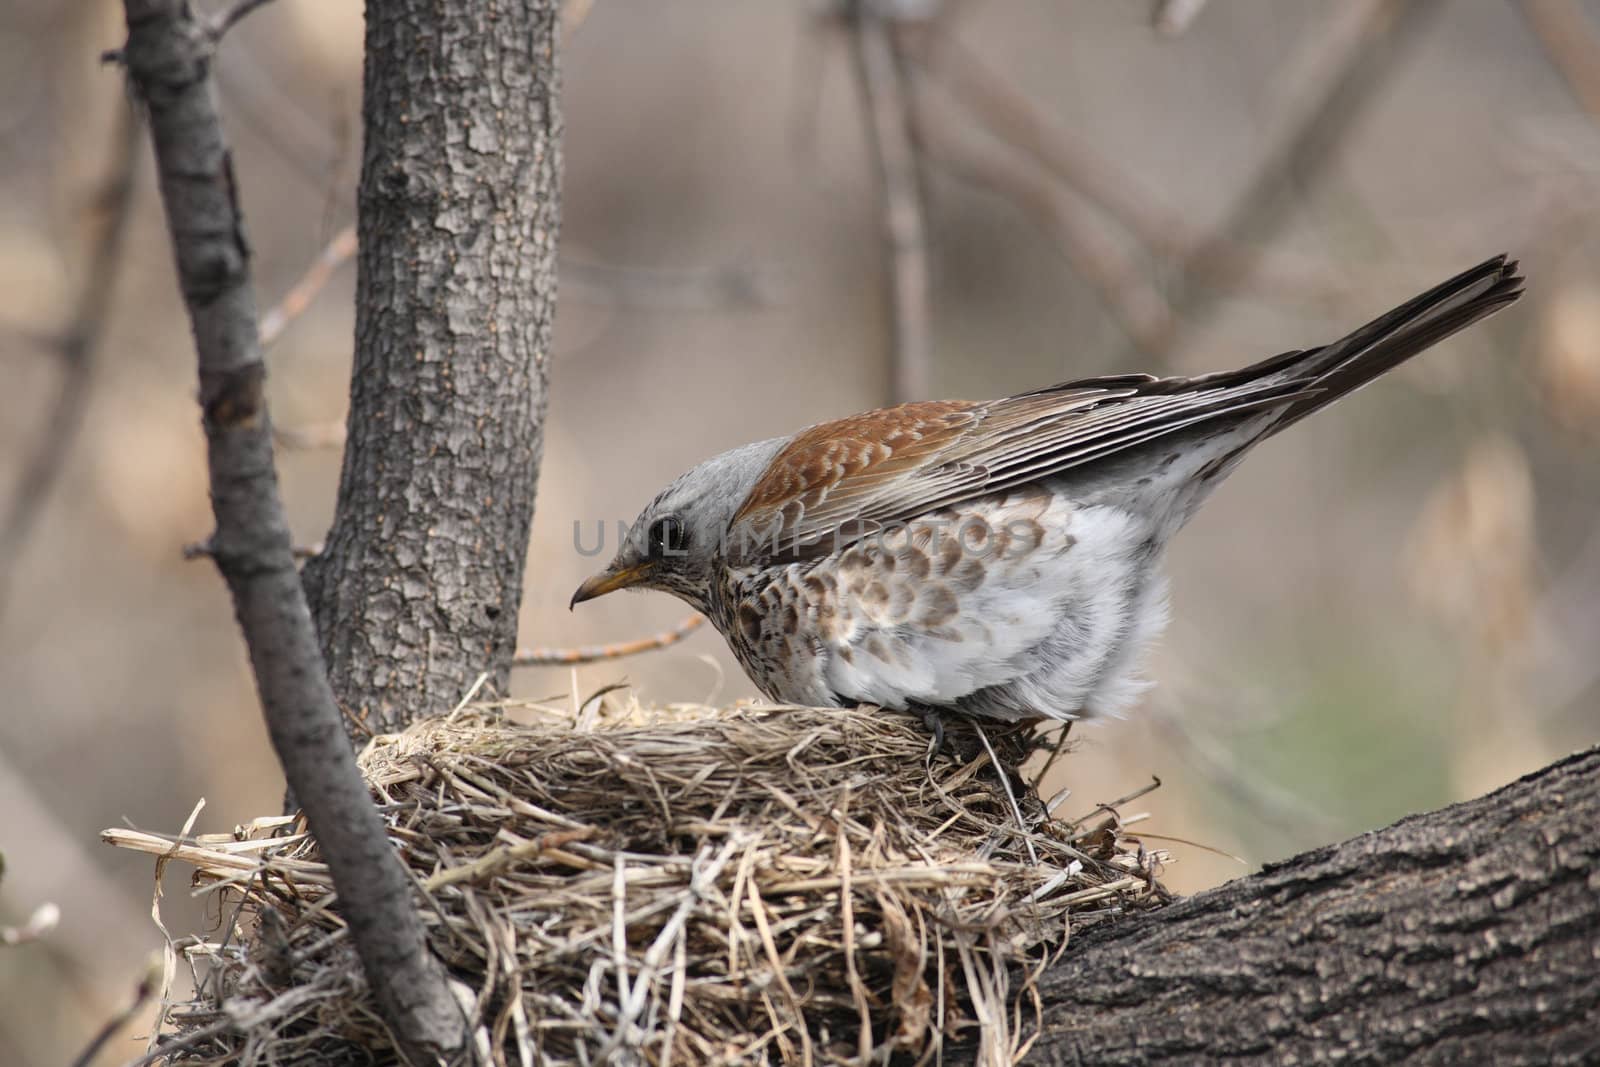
(1005,783)
(847,925)
(1111,807)
(884,96)
(562,657)
(76,347)
(304,291)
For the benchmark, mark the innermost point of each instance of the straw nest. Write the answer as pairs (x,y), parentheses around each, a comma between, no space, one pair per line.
(786,885)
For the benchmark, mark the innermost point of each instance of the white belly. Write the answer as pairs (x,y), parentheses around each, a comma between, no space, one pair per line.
(1012,607)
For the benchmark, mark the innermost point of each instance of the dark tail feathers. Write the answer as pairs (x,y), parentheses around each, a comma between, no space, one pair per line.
(1347,364)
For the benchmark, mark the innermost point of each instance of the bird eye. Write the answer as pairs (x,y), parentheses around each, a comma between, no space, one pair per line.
(667,538)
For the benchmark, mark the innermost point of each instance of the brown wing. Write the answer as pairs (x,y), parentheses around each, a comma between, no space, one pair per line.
(838,466)
(888,466)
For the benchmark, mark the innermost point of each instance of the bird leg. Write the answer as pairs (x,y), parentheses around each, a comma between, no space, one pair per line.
(935,724)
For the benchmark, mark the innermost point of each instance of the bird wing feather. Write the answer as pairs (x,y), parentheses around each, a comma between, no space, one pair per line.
(841,480)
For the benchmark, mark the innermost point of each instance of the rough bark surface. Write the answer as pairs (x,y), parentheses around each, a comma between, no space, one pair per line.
(418,589)
(168,56)
(1467,935)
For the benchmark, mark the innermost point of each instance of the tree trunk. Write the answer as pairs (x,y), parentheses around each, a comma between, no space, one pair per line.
(418,589)
(1467,935)
(169,56)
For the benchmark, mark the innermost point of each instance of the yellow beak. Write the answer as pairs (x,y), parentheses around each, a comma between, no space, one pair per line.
(607,582)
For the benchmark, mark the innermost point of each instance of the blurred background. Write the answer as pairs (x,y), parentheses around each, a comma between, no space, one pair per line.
(1394,606)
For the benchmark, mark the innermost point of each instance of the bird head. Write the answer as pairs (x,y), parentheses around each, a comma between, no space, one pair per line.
(678,540)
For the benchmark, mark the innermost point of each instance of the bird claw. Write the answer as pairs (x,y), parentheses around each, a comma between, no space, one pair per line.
(935,723)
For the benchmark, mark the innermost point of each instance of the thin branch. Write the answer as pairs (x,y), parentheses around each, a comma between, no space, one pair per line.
(1105,263)
(574,13)
(246,1018)
(15,336)
(149,984)
(1345,68)
(1172,17)
(566,657)
(1010,115)
(884,97)
(1569,39)
(303,292)
(731,285)
(294,304)
(311,435)
(1245,786)
(45,918)
(304,142)
(233,16)
(76,348)
(169,58)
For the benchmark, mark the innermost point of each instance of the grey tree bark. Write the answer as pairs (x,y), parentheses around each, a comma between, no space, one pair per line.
(1466,935)
(168,55)
(418,589)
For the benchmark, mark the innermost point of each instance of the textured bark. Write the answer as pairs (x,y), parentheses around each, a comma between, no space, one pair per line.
(1467,935)
(168,55)
(418,589)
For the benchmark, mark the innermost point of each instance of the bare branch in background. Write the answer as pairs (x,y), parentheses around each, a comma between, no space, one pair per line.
(1569,38)
(1343,69)
(884,97)
(567,657)
(1266,802)
(144,991)
(303,292)
(44,919)
(1173,17)
(76,348)
(311,435)
(574,13)
(234,15)
(305,142)
(168,56)
(1105,263)
(1008,113)
(730,286)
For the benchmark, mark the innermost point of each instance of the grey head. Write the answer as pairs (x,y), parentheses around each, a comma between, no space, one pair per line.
(677,542)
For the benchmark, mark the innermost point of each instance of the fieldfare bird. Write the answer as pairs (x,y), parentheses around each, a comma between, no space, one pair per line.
(997,559)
